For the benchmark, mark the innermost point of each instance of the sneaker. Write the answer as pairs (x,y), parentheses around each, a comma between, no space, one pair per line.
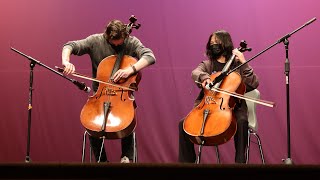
(124,159)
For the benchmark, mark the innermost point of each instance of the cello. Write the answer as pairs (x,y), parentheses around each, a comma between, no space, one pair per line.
(212,121)
(110,111)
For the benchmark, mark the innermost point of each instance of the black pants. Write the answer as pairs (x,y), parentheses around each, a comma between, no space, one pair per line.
(186,147)
(127,147)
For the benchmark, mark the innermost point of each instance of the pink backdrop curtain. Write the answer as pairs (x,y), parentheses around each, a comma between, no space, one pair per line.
(177,32)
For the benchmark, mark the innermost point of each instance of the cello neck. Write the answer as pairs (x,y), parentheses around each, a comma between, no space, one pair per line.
(225,69)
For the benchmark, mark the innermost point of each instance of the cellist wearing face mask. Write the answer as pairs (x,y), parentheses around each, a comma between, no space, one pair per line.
(219,49)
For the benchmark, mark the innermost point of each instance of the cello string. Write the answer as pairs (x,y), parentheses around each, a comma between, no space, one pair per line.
(85,77)
(263,102)
(92,79)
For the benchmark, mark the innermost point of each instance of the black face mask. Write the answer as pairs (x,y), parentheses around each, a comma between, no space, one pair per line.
(117,48)
(216,50)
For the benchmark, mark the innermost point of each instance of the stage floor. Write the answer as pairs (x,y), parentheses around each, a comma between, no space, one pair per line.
(153,170)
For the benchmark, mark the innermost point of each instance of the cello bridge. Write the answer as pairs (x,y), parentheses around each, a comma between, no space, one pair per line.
(210,100)
(110,92)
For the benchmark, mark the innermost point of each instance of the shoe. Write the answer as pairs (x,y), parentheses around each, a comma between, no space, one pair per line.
(125,159)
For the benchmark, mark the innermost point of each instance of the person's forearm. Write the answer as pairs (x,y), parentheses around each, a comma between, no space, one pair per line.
(142,63)
(66,52)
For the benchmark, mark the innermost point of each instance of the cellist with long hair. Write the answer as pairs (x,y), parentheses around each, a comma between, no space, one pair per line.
(219,49)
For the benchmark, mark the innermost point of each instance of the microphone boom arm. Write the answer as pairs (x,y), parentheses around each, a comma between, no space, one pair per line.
(282,39)
(34,61)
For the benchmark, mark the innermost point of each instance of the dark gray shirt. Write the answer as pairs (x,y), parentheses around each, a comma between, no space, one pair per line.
(97,47)
(205,69)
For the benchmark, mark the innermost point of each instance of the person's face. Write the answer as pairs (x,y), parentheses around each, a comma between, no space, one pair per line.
(214,40)
(215,47)
(116,42)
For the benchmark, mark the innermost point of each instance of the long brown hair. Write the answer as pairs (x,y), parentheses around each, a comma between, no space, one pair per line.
(223,38)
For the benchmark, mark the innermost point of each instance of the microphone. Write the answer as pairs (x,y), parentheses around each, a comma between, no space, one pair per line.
(81,86)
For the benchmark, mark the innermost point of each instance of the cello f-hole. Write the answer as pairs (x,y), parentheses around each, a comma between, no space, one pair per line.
(122,99)
(119,120)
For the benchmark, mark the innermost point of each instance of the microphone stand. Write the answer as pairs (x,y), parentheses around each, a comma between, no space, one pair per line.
(33,62)
(284,39)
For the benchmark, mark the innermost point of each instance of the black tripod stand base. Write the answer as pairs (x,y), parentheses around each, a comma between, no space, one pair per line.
(287,161)
(28,159)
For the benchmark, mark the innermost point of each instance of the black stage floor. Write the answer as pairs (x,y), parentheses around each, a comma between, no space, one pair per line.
(154,171)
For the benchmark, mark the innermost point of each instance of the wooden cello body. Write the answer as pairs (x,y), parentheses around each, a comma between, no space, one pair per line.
(110,112)
(213,122)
